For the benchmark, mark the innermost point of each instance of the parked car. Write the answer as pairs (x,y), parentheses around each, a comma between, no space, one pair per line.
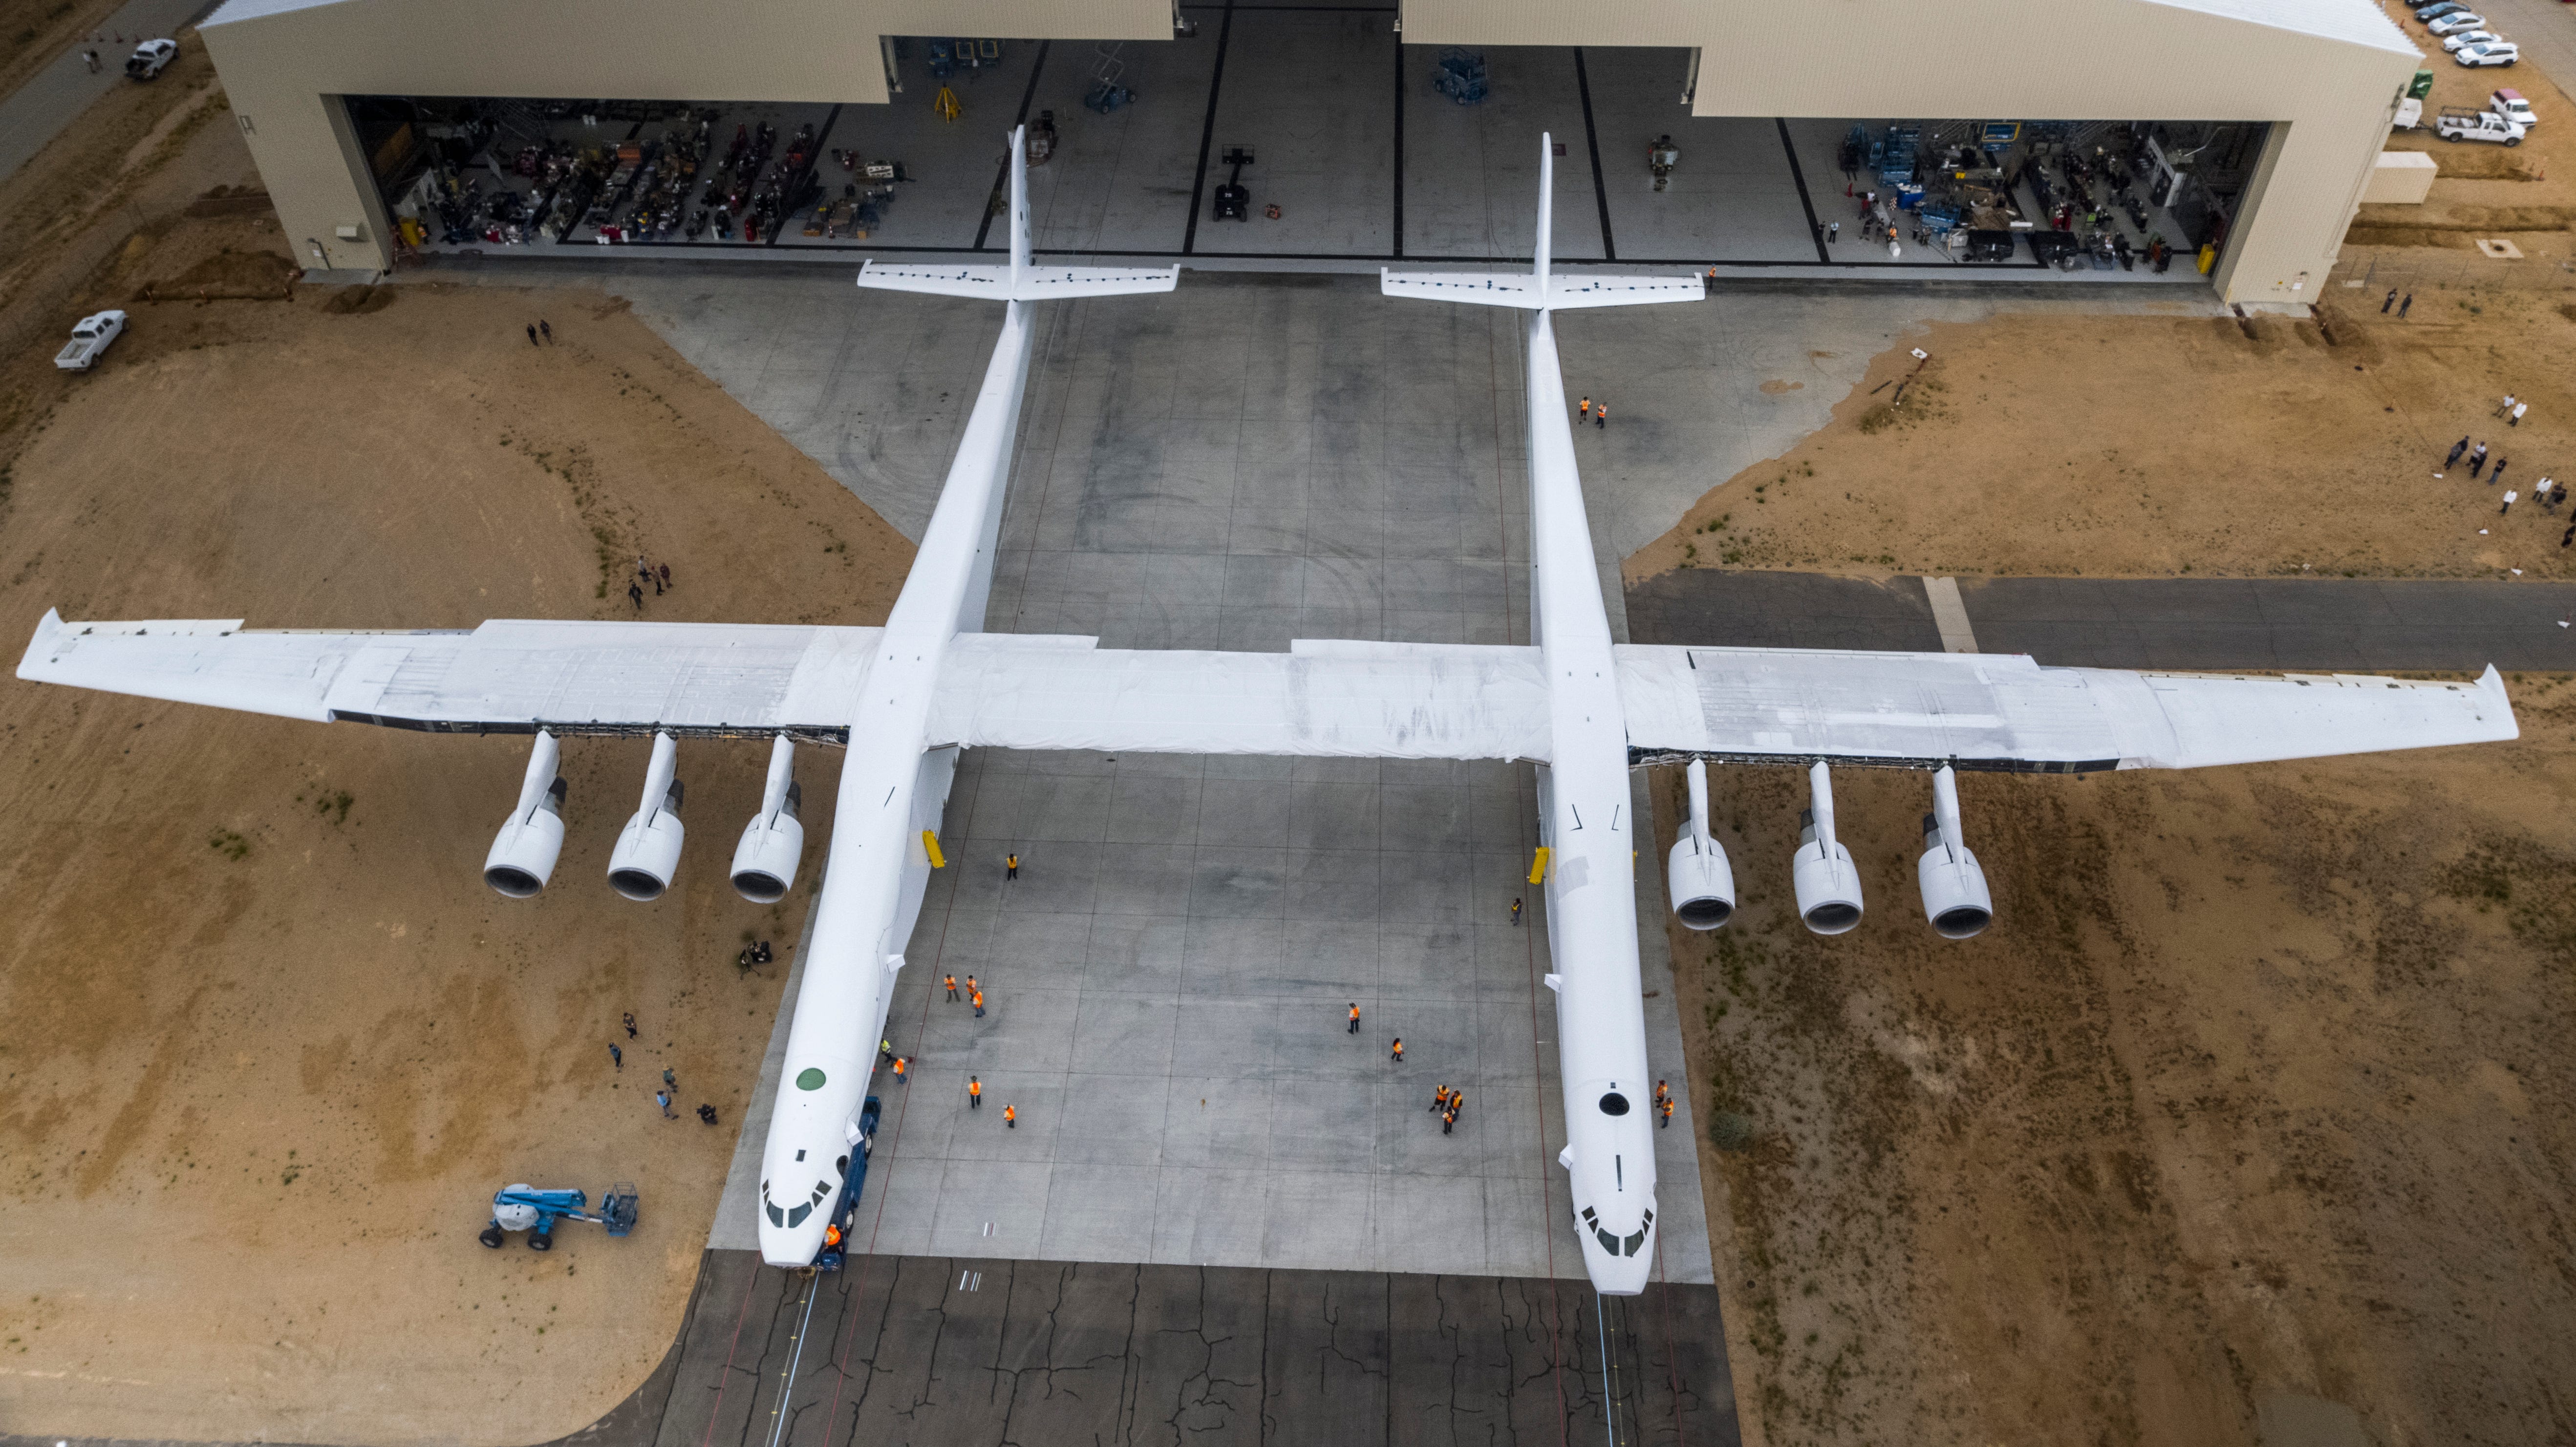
(2457,21)
(2467,125)
(2456,43)
(2431,13)
(150,58)
(90,338)
(2502,52)
(2510,105)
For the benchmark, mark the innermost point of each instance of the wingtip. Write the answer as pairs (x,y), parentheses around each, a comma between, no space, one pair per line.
(46,630)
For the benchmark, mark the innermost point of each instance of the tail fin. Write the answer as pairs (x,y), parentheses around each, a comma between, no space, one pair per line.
(1539,289)
(1021,280)
(1546,207)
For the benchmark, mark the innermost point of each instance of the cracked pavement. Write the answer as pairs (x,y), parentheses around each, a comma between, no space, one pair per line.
(936,1350)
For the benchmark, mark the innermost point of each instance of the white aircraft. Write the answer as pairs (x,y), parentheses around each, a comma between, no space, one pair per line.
(1585,710)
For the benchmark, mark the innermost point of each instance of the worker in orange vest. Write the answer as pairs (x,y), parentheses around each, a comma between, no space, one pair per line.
(831,1235)
(1355,1017)
(979,1004)
(1668,1110)
(1398,1056)
(951,983)
(1011,1117)
(899,1063)
(974,1093)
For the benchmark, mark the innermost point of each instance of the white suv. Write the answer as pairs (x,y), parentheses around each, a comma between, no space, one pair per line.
(2501,52)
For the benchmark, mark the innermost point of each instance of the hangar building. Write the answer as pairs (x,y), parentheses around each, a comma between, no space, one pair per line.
(2239,134)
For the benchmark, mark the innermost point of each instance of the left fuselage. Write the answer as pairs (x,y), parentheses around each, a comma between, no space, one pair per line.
(893,787)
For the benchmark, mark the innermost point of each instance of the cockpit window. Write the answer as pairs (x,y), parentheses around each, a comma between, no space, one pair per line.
(1634,1242)
(797,1216)
(1614,1104)
(1609,1242)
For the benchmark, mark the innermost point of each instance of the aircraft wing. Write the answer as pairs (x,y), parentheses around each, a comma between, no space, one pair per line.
(2005,712)
(1358,700)
(506,676)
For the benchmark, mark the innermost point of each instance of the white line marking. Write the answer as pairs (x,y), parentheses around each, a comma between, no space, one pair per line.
(1950,615)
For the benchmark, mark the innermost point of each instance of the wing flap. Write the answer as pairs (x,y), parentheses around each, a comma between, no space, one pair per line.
(1401,700)
(2006,712)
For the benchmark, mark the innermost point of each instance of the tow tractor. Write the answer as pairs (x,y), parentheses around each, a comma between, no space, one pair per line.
(525,1208)
(836,1237)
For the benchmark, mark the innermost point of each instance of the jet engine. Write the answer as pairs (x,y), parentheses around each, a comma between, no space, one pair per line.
(1954,888)
(1703,887)
(764,863)
(1827,884)
(648,848)
(524,852)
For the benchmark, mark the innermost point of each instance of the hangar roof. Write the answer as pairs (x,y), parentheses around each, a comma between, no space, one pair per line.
(2353,22)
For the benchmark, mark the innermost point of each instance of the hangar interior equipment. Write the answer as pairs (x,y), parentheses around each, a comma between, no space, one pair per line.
(2239,134)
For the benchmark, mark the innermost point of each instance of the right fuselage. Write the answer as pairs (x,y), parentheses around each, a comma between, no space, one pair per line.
(1589,826)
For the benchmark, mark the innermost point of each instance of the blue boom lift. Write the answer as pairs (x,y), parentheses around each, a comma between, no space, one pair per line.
(525,1208)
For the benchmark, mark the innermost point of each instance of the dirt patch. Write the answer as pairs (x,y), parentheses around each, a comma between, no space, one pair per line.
(256,1006)
(2140,446)
(2257,1087)
(228,276)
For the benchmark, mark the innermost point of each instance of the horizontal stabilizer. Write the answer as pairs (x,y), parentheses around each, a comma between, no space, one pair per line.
(1036,283)
(1532,293)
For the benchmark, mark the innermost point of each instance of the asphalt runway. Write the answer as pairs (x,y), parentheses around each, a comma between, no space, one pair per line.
(2347,625)
(907,1349)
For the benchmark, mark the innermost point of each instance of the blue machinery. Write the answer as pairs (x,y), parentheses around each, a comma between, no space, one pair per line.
(836,1239)
(525,1208)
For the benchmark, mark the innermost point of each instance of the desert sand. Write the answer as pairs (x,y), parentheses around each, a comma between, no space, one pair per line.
(268,1043)
(2126,446)
(2250,1111)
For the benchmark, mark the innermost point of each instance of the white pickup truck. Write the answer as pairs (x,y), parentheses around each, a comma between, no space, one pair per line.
(151,58)
(89,339)
(2473,125)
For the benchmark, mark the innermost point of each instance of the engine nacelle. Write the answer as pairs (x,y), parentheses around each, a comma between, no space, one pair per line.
(1955,897)
(1703,887)
(764,863)
(524,852)
(1828,886)
(648,848)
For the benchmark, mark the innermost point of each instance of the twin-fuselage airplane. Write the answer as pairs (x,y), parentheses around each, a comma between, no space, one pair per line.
(1584,709)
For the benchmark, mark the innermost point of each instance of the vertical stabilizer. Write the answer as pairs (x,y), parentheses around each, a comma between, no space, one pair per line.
(1537,289)
(1546,207)
(1019,208)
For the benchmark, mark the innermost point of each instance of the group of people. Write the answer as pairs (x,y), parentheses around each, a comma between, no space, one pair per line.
(657,576)
(756,953)
(2548,492)
(670,1078)
(972,993)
